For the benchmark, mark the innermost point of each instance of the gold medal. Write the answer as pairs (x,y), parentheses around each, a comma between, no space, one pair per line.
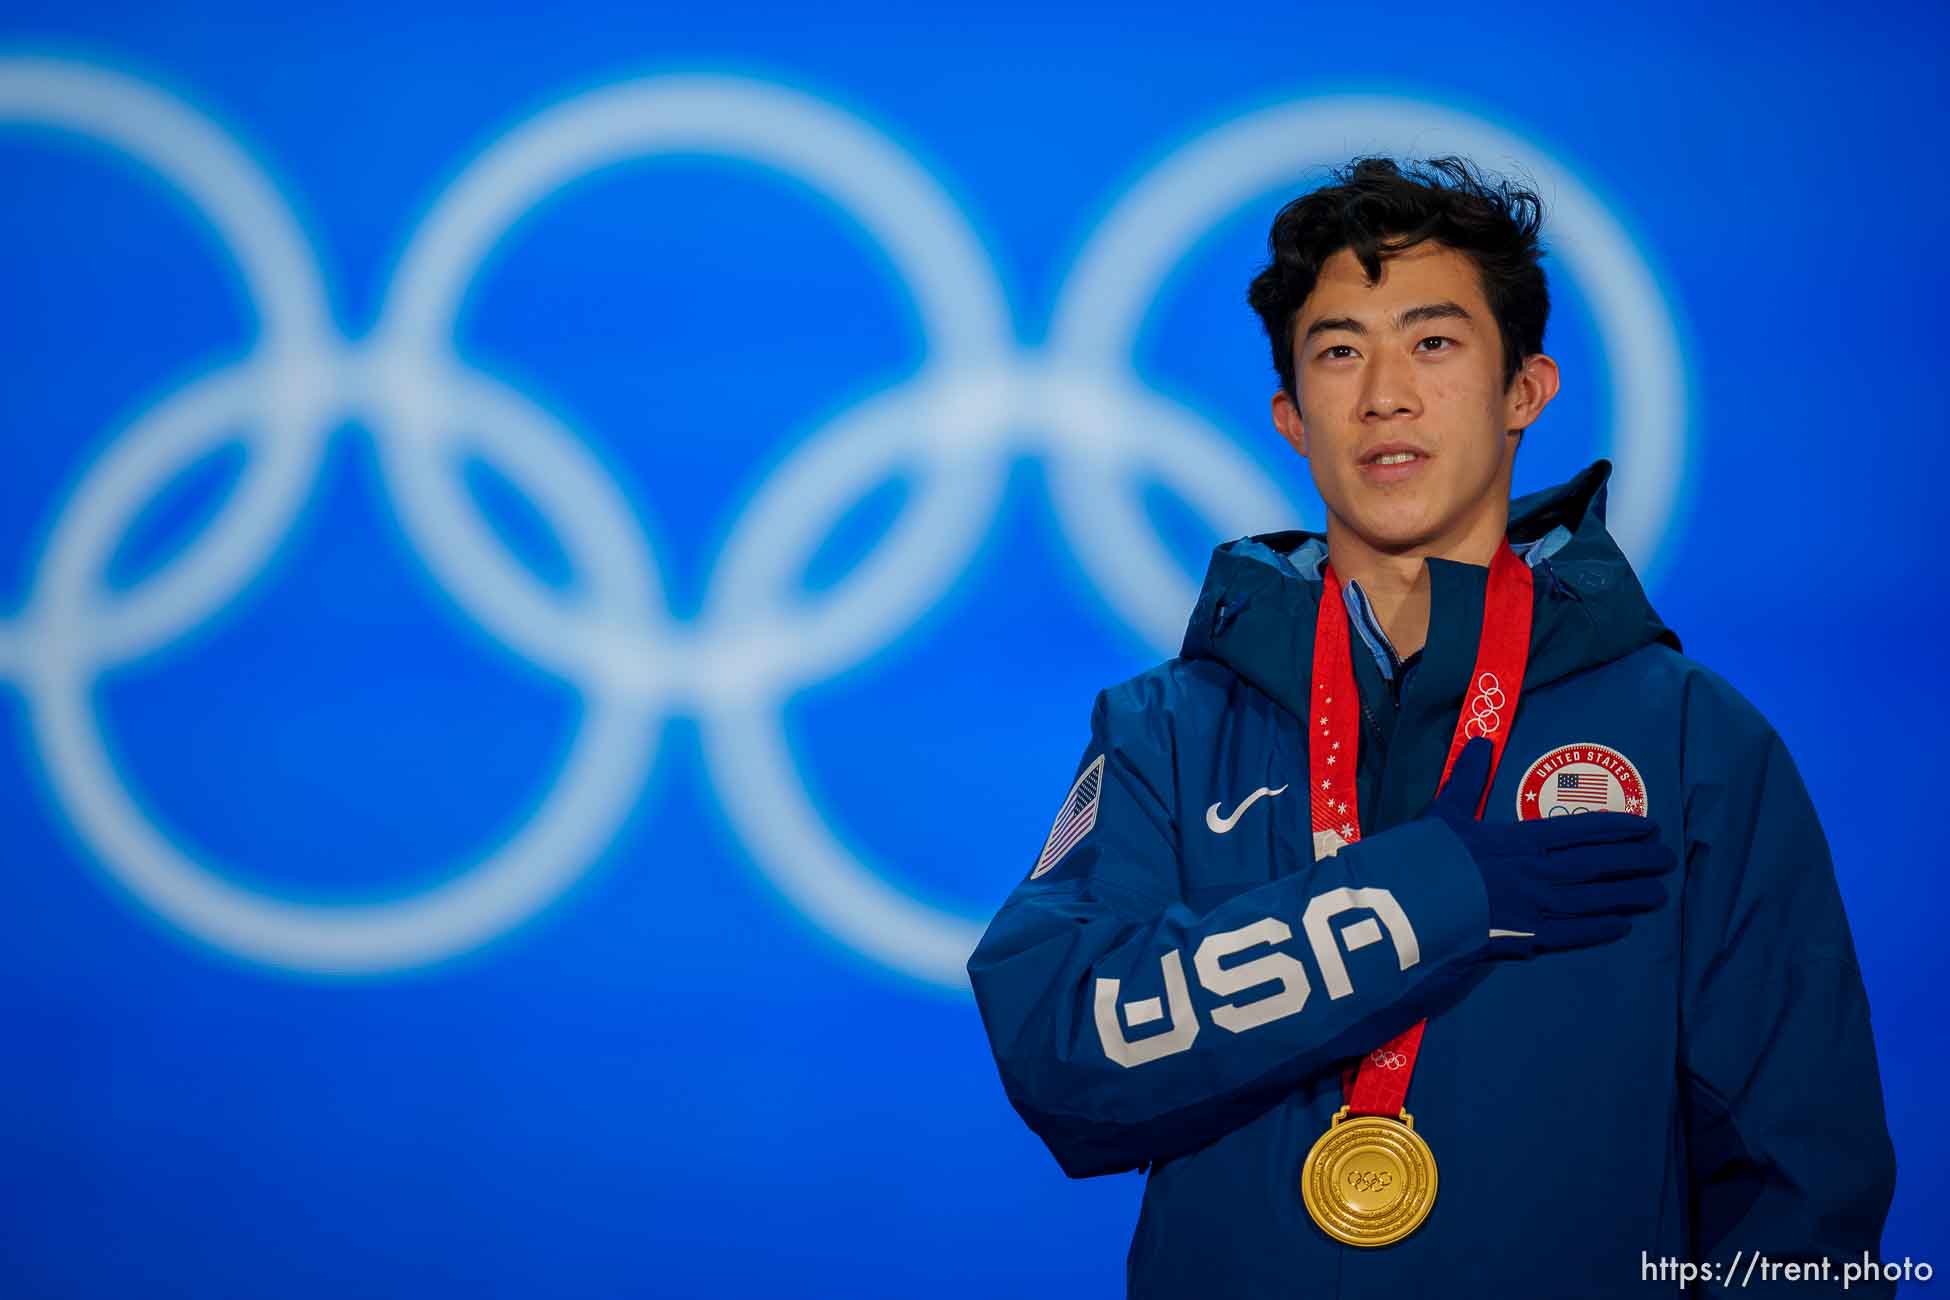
(1370,1180)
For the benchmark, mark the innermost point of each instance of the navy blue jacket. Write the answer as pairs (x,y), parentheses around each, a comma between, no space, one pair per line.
(1179,988)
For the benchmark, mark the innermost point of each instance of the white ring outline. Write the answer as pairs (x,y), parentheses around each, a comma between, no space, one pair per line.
(1076,406)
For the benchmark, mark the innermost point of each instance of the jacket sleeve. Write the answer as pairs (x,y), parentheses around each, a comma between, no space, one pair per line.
(1789,1151)
(1129,1028)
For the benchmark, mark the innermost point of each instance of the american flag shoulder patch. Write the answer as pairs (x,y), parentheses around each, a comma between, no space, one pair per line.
(1078,815)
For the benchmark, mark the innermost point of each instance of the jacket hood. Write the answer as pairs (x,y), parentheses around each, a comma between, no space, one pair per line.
(1257,607)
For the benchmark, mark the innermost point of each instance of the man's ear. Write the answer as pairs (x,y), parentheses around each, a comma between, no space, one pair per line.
(1530,391)
(1286,418)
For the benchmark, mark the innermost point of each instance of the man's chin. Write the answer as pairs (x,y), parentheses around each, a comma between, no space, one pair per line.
(1393,536)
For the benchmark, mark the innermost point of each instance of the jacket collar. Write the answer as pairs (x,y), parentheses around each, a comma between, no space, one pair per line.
(1257,607)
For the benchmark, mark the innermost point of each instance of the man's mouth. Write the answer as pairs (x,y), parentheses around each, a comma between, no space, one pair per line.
(1392,463)
(1393,453)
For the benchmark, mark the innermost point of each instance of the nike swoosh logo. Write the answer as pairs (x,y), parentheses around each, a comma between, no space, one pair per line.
(1220,825)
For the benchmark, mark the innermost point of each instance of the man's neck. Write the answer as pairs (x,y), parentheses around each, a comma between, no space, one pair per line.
(1396,583)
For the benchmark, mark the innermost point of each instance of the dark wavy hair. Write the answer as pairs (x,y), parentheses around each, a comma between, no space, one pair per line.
(1376,208)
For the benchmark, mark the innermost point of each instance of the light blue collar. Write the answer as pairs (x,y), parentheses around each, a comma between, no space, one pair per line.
(1310,557)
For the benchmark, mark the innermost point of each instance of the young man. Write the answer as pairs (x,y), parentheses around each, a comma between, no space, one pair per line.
(1588,1015)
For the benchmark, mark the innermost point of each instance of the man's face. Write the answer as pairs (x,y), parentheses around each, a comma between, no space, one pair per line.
(1403,415)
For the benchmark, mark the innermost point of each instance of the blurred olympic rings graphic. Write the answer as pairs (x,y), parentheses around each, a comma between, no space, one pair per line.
(979,403)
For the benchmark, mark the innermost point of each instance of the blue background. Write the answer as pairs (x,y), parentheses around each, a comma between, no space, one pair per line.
(670,1081)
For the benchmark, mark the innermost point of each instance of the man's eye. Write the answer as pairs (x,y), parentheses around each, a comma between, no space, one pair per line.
(1335,348)
(1437,338)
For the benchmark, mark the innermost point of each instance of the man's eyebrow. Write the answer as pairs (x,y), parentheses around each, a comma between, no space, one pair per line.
(1444,310)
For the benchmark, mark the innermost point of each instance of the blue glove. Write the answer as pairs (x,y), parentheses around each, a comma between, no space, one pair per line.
(1562,882)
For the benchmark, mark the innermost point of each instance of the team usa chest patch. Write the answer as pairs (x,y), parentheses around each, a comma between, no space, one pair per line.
(1580,778)
(1079,814)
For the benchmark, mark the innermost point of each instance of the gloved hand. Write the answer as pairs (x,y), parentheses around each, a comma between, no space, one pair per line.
(1562,882)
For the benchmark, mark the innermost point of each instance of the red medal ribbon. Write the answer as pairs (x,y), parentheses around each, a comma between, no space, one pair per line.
(1381,1084)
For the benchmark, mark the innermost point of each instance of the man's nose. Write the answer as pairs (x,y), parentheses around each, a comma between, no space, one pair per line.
(1388,387)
